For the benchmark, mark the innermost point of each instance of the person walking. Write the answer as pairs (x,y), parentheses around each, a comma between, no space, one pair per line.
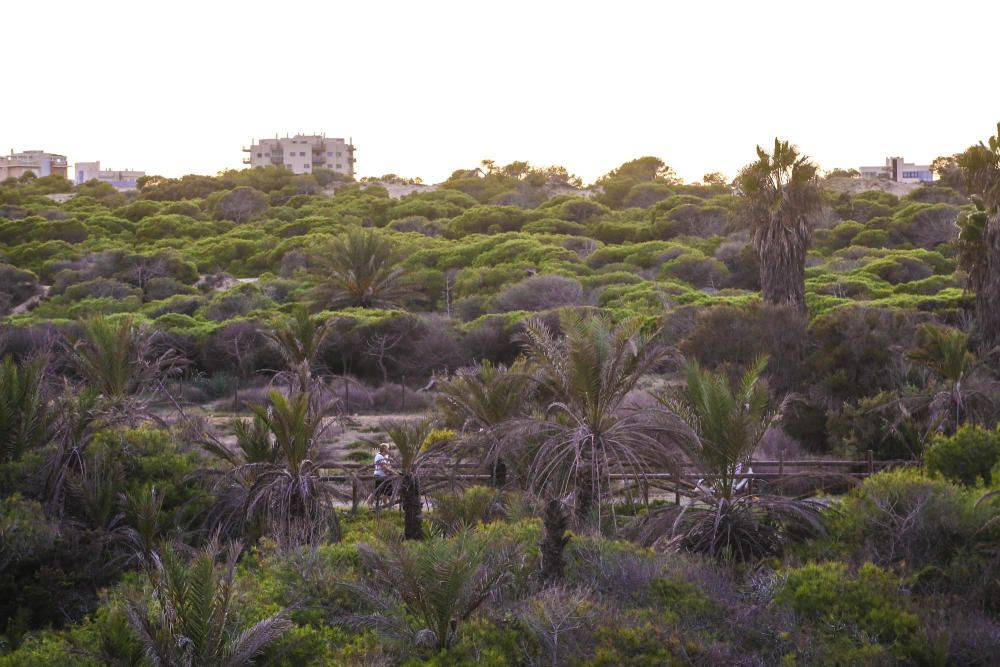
(383,469)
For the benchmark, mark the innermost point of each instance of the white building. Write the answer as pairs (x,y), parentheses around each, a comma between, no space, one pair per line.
(896,169)
(303,153)
(39,163)
(121,180)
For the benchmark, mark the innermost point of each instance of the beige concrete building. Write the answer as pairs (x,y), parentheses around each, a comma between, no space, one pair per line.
(898,170)
(303,153)
(39,163)
(121,179)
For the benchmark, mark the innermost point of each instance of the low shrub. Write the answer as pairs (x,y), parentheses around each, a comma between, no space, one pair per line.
(903,517)
(862,615)
(967,456)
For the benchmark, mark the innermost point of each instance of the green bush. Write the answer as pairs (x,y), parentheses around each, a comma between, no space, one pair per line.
(854,611)
(902,517)
(965,457)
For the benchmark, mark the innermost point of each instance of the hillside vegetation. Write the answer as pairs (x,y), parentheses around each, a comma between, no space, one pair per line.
(190,373)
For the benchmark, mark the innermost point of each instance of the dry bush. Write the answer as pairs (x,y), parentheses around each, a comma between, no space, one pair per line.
(727,337)
(541,293)
(394,398)
(618,569)
(562,621)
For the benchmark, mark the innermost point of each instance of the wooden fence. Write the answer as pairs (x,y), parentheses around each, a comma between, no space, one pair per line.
(776,473)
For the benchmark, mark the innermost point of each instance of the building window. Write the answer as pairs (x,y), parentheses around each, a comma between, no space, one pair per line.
(259,155)
(306,166)
(338,153)
(302,153)
(339,166)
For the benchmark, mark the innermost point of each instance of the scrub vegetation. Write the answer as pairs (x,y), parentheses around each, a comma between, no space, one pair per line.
(194,378)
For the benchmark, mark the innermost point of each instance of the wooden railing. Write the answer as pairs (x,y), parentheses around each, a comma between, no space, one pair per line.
(360,476)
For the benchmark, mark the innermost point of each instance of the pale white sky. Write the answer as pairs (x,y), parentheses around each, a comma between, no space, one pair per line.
(428,87)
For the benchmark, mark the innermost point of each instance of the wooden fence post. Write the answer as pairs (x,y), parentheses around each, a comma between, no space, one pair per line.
(781,461)
(677,489)
(871,462)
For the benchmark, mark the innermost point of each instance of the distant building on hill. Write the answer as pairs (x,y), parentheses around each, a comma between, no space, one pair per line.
(39,163)
(120,179)
(896,169)
(303,154)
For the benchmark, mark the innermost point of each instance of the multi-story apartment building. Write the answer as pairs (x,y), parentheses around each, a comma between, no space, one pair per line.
(303,153)
(896,169)
(120,179)
(39,163)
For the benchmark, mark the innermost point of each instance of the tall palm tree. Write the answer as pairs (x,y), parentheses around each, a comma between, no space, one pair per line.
(191,618)
(298,340)
(781,196)
(416,460)
(979,240)
(27,420)
(725,424)
(585,434)
(480,400)
(361,268)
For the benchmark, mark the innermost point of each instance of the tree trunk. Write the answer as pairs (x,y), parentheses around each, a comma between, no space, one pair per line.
(499,473)
(554,540)
(584,494)
(781,248)
(409,499)
(988,295)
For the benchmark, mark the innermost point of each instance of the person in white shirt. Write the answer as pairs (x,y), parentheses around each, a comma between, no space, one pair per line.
(383,469)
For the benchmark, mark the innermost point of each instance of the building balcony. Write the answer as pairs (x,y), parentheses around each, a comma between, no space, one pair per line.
(246,149)
(246,160)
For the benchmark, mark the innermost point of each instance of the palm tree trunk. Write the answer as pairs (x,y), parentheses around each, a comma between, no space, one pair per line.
(409,499)
(988,294)
(499,473)
(781,249)
(584,495)
(554,540)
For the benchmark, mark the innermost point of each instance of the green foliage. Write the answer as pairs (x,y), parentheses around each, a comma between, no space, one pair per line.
(362,269)
(190,615)
(854,611)
(25,532)
(27,420)
(904,517)
(439,582)
(970,454)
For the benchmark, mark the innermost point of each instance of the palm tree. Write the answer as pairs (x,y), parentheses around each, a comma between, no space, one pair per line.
(416,459)
(116,358)
(298,340)
(780,196)
(585,434)
(362,269)
(27,420)
(276,479)
(480,400)
(191,618)
(979,240)
(424,590)
(725,424)
(945,352)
